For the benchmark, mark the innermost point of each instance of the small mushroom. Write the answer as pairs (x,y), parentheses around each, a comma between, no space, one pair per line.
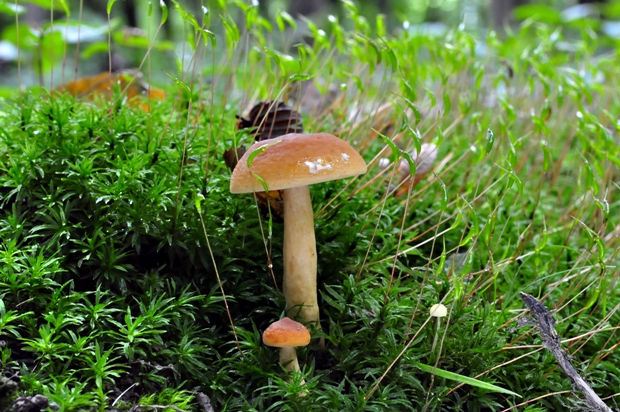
(438,311)
(286,334)
(424,163)
(290,163)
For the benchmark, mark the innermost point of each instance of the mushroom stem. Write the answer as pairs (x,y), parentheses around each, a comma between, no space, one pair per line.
(300,258)
(288,359)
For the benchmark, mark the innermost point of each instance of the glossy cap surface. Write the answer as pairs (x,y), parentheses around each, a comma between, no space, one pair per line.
(295,160)
(286,333)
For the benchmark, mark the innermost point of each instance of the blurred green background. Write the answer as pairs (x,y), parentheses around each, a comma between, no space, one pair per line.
(56,41)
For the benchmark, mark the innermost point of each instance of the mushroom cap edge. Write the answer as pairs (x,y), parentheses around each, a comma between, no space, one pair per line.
(295,160)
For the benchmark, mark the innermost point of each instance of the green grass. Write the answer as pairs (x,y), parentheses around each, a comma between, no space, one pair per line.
(107,283)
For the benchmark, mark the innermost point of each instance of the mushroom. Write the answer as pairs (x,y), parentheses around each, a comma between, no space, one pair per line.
(290,163)
(286,334)
(438,311)
(424,163)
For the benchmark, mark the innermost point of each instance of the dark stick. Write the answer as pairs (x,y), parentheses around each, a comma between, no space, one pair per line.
(551,341)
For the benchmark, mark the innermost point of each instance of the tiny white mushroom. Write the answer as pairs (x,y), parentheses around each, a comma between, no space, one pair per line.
(424,161)
(438,311)
(383,163)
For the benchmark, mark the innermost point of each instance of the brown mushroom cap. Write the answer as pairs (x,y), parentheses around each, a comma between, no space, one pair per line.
(295,160)
(286,333)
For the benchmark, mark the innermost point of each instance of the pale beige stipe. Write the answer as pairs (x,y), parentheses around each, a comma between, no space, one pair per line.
(300,257)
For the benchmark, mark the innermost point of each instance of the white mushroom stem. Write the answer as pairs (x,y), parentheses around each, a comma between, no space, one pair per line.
(300,258)
(288,359)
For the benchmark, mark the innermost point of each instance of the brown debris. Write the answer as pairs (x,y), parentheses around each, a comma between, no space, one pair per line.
(272,119)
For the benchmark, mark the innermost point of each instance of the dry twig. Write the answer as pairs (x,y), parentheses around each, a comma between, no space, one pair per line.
(551,341)
(204,402)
